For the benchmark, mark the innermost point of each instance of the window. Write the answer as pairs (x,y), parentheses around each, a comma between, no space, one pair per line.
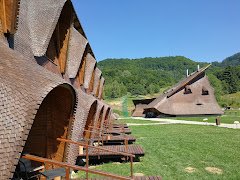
(187,90)
(204,91)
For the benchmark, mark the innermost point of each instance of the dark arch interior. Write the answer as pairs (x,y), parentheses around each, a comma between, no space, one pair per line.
(100,118)
(107,115)
(90,120)
(52,121)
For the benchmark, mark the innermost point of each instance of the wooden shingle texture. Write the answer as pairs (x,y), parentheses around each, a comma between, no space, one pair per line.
(97,76)
(77,45)
(23,86)
(89,68)
(85,102)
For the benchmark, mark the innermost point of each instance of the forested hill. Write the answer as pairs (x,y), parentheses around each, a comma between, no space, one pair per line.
(233,60)
(150,75)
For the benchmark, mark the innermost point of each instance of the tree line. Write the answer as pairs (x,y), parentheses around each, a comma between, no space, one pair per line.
(151,75)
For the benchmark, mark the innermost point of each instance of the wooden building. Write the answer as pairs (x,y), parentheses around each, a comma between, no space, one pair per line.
(140,105)
(192,96)
(50,85)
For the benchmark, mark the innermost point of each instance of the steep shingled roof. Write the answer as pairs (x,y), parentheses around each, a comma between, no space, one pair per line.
(102,82)
(175,102)
(97,76)
(77,45)
(85,102)
(90,65)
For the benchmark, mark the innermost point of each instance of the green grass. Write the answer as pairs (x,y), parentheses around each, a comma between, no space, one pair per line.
(232,100)
(169,149)
(227,119)
(211,119)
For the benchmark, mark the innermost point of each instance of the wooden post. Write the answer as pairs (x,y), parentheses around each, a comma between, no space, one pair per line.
(87,161)
(98,144)
(67,173)
(131,166)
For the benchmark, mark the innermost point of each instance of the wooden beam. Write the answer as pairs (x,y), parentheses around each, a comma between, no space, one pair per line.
(3,15)
(90,89)
(63,53)
(9,10)
(81,71)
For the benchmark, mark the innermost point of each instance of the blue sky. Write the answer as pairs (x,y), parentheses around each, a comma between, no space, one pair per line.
(202,30)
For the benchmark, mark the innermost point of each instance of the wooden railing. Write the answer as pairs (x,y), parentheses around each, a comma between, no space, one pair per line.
(68,166)
(87,146)
(101,138)
(107,134)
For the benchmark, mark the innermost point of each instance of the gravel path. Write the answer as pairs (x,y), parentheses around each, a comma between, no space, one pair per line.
(160,121)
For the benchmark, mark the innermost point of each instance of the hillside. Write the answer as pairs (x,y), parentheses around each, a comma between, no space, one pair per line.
(153,75)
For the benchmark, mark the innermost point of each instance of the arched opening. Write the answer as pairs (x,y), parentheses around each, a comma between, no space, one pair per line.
(53,120)
(106,118)
(90,120)
(100,118)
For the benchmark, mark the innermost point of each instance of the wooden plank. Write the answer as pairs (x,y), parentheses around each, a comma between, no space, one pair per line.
(118,138)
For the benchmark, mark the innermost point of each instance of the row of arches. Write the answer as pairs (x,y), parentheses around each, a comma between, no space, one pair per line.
(55,88)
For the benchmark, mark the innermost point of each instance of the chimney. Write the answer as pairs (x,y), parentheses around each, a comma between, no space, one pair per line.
(187,73)
(198,67)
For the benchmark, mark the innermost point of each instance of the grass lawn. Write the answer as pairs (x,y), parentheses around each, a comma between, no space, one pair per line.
(171,149)
(228,119)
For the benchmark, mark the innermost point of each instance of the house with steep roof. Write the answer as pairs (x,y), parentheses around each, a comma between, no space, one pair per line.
(140,105)
(192,96)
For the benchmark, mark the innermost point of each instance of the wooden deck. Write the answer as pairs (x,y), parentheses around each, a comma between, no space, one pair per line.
(116,139)
(120,125)
(119,130)
(132,149)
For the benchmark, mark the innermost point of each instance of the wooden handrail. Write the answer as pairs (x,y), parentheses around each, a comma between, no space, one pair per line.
(106,135)
(67,166)
(105,131)
(96,147)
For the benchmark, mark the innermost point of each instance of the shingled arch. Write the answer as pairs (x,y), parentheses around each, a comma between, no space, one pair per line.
(101,88)
(24,86)
(84,117)
(99,115)
(89,71)
(96,85)
(53,120)
(106,114)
